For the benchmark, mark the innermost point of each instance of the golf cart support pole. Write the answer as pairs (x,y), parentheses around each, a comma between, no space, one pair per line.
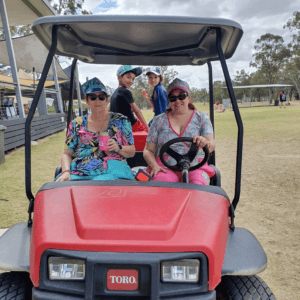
(238,118)
(30,117)
(212,159)
(71,93)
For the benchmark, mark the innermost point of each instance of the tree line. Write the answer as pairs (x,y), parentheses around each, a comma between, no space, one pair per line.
(275,62)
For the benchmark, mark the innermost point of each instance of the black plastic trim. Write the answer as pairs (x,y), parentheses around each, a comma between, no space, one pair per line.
(119,51)
(71,93)
(29,120)
(97,264)
(238,172)
(122,182)
(42,295)
(244,254)
(212,158)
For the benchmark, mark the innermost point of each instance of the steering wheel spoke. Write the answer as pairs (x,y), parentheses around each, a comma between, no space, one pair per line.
(192,152)
(178,157)
(174,154)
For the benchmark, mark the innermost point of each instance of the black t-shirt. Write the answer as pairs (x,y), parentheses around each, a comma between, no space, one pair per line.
(120,103)
(282,97)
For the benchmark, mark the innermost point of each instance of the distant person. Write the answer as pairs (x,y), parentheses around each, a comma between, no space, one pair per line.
(122,101)
(216,105)
(282,98)
(158,100)
(219,108)
(97,144)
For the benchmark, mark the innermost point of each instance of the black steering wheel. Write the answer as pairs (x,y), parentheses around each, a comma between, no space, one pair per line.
(183,160)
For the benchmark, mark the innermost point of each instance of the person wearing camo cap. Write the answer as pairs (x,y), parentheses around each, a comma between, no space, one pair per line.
(181,119)
(97,144)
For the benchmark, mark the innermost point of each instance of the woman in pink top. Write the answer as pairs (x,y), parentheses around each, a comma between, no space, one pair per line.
(180,120)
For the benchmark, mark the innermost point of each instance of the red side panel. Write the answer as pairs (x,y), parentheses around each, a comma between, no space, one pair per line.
(131,219)
(140,140)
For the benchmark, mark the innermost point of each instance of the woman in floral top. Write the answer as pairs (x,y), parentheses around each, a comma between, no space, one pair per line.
(97,144)
(180,120)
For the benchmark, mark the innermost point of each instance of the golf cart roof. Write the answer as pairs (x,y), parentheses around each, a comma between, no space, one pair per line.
(139,40)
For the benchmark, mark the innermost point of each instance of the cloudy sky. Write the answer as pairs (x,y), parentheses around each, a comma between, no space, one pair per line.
(257,17)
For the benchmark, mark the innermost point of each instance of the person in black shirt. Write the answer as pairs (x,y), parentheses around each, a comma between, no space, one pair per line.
(122,101)
(282,98)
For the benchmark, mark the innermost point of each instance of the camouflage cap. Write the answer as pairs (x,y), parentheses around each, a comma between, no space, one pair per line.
(178,84)
(93,85)
(154,70)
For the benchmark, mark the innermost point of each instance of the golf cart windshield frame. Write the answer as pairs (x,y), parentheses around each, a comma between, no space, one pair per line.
(212,37)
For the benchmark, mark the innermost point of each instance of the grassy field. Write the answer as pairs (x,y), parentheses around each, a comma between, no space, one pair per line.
(260,123)
(270,191)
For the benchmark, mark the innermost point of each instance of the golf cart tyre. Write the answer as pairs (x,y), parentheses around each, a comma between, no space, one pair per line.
(15,286)
(243,287)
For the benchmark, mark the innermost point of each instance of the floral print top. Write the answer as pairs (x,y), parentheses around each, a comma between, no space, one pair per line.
(87,158)
(161,131)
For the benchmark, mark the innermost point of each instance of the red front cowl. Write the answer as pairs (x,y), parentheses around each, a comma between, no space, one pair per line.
(131,219)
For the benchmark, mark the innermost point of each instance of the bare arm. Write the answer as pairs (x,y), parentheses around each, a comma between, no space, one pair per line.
(139,114)
(146,95)
(150,159)
(127,150)
(65,165)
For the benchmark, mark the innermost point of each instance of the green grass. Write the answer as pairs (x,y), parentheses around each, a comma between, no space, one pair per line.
(260,123)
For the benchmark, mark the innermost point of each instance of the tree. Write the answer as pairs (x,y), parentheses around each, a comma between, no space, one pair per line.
(291,70)
(62,7)
(169,75)
(241,78)
(257,78)
(141,83)
(198,95)
(218,91)
(69,7)
(17,31)
(269,57)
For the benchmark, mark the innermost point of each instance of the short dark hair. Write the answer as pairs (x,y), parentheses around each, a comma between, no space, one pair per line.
(128,72)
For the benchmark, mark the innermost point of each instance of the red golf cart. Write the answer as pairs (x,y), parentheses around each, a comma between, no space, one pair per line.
(127,239)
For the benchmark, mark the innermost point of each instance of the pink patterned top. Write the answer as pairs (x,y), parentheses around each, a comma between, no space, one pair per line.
(161,131)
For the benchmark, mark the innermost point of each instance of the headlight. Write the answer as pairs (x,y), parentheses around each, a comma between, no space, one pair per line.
(62,268)
(185,270)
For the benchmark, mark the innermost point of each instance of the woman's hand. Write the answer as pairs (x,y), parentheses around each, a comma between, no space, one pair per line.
(156,169)
(64,177)
(201,141)
(112,146)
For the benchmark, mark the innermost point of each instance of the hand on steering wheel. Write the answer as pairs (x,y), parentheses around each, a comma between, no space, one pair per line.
(183,160)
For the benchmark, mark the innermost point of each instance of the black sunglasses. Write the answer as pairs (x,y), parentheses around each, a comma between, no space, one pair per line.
(180,97)
(93,97)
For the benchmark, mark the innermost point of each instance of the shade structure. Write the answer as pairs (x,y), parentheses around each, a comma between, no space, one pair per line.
(261,86)
(29,53)
(7,82)
(23,12)
(139,40)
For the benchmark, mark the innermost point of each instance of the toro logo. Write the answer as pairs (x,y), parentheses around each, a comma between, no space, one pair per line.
(122,280)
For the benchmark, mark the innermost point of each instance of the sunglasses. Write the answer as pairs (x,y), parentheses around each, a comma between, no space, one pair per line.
(93,97)
(180,97)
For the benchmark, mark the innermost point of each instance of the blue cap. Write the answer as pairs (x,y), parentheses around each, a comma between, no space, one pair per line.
(93,85)
(127,68)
